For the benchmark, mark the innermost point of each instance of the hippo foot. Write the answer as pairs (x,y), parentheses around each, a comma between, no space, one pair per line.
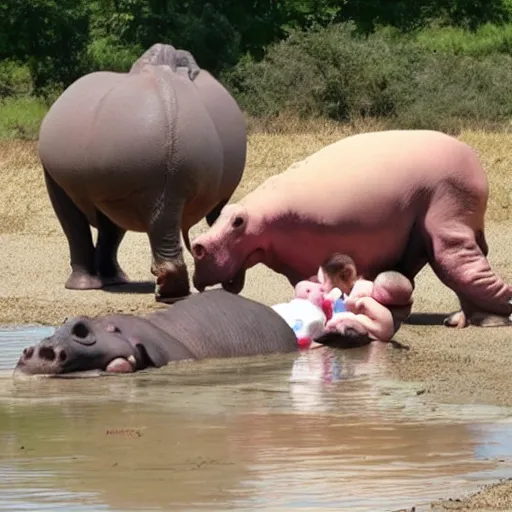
(79,280)
(460,320)
(169,295)
(172,283)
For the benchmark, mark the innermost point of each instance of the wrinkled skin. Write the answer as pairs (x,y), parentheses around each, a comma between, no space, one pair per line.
(153,150)
(213,324)
(391,200)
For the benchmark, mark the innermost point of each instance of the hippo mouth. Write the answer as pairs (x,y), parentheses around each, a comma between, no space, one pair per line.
(236,283)
(121,365)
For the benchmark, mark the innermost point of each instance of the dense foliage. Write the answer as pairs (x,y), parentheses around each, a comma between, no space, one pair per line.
(411,61)
(438,79)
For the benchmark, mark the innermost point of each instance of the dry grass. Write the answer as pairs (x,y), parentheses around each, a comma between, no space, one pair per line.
(25,208)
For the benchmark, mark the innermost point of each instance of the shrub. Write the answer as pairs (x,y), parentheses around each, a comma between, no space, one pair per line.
(15,79)
(486,40)
(340,74)
(108,54)
(20,118)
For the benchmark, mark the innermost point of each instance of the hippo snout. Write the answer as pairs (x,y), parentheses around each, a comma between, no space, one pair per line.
(44,358)
(49,354)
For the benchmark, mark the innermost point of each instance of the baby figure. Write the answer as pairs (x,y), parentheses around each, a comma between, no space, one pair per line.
(377,307)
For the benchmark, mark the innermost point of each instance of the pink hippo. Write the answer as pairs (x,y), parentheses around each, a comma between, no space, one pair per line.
(391,200)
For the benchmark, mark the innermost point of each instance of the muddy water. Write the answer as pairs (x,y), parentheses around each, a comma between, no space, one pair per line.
(321,430)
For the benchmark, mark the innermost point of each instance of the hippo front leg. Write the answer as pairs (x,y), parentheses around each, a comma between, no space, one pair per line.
(172,282)
(460,261)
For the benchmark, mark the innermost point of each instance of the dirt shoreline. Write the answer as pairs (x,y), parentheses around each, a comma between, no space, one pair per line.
(454,366)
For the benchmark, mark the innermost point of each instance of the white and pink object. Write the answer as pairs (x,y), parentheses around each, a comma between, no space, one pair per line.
(309,311)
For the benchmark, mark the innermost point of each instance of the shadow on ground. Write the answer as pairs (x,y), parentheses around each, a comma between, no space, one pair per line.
(426,319)
(135,287)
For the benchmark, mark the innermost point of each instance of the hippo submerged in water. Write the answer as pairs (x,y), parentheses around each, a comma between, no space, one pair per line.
(212,324)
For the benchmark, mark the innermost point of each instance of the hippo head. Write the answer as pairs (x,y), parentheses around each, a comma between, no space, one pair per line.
(227,250)
(82,344)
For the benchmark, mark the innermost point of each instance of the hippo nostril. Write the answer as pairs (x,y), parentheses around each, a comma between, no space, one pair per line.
(63,356)
(198,251)
(80,330)
(47,353)
(28,352)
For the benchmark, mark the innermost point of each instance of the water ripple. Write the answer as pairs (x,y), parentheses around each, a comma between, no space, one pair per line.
(320,430)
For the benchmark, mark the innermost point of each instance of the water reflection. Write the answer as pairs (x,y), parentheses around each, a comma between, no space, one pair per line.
(319,430)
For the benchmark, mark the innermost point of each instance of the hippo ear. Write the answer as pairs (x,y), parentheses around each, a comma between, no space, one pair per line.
(151,354)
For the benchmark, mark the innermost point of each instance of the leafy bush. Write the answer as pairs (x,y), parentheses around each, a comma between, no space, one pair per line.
(109,54)
(20,118)
(486,40)
(15,79)
(338,73)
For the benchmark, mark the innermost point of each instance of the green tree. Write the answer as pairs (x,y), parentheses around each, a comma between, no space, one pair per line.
(50,35)
(408,15)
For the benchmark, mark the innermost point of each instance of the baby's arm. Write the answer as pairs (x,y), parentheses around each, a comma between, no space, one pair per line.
(392,289)
(362,288)
(380,306)
(376,318)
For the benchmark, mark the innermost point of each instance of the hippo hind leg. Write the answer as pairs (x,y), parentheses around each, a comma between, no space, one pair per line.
(109,238)
(214,214)
(78,233)
(459,259)
(172,282)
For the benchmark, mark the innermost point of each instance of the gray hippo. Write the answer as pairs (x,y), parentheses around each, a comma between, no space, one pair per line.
(213,324)
(392,200)
(153,150)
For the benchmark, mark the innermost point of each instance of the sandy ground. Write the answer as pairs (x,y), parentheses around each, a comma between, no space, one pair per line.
(464,366)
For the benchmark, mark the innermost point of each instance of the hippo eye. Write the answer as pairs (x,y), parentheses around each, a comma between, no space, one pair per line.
(237,222)
(80,330)
(81,334)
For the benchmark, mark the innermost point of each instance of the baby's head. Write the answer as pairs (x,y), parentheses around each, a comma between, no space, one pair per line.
(338,271)
(393,289)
